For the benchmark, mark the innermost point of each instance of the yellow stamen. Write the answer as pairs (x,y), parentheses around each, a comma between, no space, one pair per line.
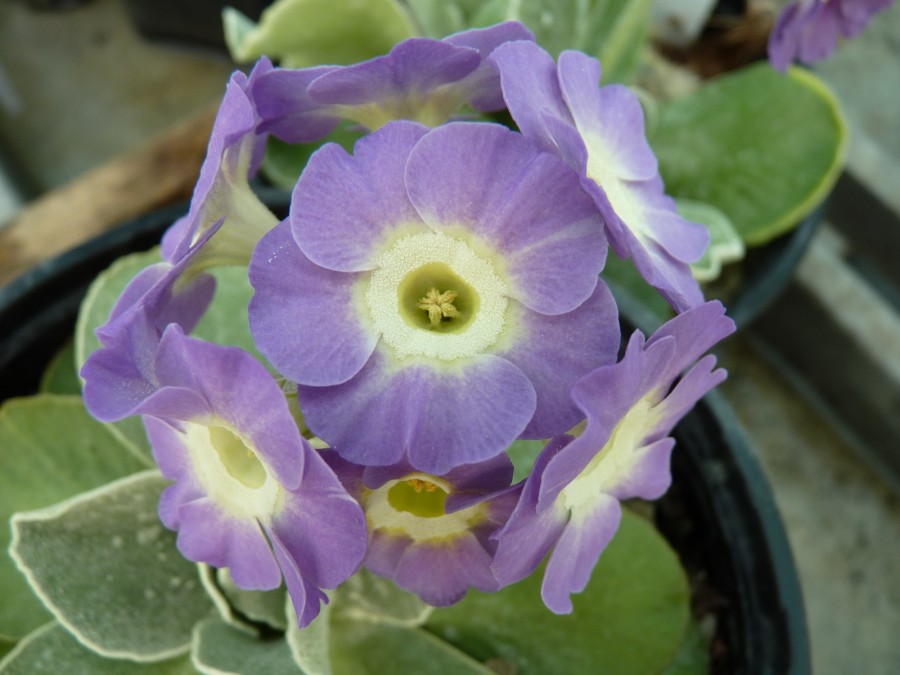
(438,305)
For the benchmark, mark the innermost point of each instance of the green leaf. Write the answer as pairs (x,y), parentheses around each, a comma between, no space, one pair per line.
(261,606)
(284,162)
(523,455)
(638,301)
(51,650)
(218,648)
(725,244)
(237,28)
(368,597)
(631,618)
(60,377)
(306,33)
(763,147)
(360,647)
(310,646)
(109,571)
(6,646)
(438,18)
(693,657)
(615,31)
(50,450)
(226,322)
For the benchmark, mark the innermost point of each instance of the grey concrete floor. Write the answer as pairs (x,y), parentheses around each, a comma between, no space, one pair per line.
(80,87)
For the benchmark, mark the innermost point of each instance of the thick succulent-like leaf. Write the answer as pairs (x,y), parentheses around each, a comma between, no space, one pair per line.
(50,450)
(725,244)
(220,649)
(631,618)
(265,607)
(763,147)
(60,377)
(310,646)
(109,571)
(51,650)
(305,33)
(615,31)
(369,597)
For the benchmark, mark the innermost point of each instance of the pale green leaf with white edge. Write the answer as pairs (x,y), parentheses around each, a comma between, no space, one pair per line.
(218,648)
(51,650)
(725,244)
(236,27)
(360,647)
(226,322)
(260,606)
(310,646)
(523,455)
(762,146)
(226,612)
(50,450)
(109,571)
(617,626)
(369,597)
(303,33)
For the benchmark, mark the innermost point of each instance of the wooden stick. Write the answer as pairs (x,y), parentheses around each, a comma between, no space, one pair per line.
(160,172)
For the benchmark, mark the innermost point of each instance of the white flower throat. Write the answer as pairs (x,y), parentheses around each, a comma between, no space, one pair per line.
(434,296)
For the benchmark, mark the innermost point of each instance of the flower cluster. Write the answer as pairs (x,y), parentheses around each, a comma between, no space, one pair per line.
(432,297)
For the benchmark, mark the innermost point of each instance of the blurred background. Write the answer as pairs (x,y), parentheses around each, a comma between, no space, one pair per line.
(100,122)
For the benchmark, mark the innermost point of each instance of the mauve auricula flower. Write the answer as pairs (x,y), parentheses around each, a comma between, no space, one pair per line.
(809,30)
(571,501)
(223,198)
(435,295)
(431,534)
(249,493)
(421,79)
(599,132)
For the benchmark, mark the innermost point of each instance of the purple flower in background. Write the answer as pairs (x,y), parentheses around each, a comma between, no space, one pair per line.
(222,198)
(431,534)
(809,30)
(421,79)
(249,493)
(435,295)
(571,501)
(599,132)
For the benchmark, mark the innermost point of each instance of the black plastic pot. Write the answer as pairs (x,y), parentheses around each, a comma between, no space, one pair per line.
(719,514)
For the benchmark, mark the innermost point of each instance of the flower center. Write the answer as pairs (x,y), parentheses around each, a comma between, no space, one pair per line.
(419,497)
(432,295)
(239,461)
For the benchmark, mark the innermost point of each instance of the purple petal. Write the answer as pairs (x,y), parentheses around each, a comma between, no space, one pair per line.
(555,351)
(438,417)
(649,476)
(413,67)
(306,598)
(207,535)
(344,206)
(531,89)
(529,535)
(440,572)
(483,84)
(322,527)
(303,317)
(584,539)
(286,108)
(612,113)
(532,210)
(695,332)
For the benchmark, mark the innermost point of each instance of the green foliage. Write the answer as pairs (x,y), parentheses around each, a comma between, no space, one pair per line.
(50,450)
(302,33)
(763,147)
(109,572)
